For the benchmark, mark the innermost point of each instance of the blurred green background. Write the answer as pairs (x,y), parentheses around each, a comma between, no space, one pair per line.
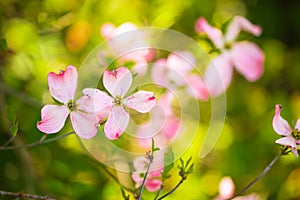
(48,35)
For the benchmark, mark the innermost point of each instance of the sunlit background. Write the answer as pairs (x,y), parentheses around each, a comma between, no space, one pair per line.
(48,35)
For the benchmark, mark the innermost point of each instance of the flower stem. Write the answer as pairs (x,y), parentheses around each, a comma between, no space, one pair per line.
(24,195)
(39,142)
(173,190)
(266,170)
(146,174)
(159,192)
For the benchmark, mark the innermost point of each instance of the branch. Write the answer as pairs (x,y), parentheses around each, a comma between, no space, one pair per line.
(266,170)
(173,190)
(150,156)
(39,142)
(24,195)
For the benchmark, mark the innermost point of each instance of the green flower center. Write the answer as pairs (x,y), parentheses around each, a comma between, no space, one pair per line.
(228,45)
(118,101)
(296,134)
(71,105)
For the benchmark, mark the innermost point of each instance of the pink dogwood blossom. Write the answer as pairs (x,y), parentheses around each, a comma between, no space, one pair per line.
(291,137)
(163,126)
(227,189)
(62,88)
(153,181)
(117,83)
(128,43)
(245,56)
(177,71)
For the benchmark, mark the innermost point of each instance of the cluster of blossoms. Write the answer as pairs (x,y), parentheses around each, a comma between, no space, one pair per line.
(291,136)
(110,107)
(94,106)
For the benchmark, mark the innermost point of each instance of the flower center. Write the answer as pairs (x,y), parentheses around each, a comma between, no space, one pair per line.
(296,134)
(228,45)
(71,105)
(118,101)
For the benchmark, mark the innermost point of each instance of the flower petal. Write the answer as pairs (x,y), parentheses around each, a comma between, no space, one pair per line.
(280,125)
(287,141)
(226,188)
(118,81)
(95,100)
(159,72)
(248,60)
(197,87)
(298,125)
(181,61)
(85,125)
(138,179)
(107,30)
(152,185)
(213,33)
(63,86)
(218,75)
(140,164)
(141,101)
(238,24)
(53,118)
(116,123)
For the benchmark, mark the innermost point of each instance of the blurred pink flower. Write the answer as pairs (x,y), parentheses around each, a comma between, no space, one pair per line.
(128,43)
(177,71)
(153,181)
(62,88)
(245,56)
(164,124)
(291,137)
(227,189)
(117,83)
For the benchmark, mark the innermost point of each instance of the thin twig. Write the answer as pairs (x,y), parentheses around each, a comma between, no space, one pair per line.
(159,191)
(24,195)
(146,174)
(266,170)
(173,190)
(39,142)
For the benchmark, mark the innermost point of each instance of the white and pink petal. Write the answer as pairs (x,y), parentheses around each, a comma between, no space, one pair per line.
(280,125)
(53,118)
(141,101)
(248,60)
(95,100)
(116,123)
(118,81)
(63,86)
(85,125)
(239,24)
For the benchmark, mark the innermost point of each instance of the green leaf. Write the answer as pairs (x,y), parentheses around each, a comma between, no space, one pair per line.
(14,129)
(3,44)
(153,148)
(10,114)
(168,161)
(188,162)
(125,197)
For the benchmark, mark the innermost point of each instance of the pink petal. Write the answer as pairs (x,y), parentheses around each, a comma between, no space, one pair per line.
(159,72)
(118,81)
(182,62)
(107,30)
(95,100)
(152,185)
(165,102)
(241,24)
(298,125)
(85,125)
(136,177)
(53,118)
(141,101)
(116,123)
(127,26)
(280,125)
(248,60)
(63,86)
(226,188)
(197,87)
(295,151)
(287,141)
(171,127)
(218,75)
(213,33)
